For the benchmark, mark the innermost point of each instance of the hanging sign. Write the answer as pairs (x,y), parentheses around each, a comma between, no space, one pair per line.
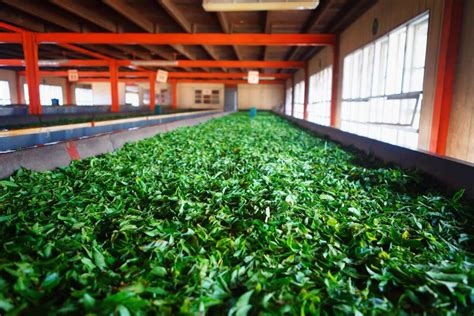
(162,76)
(253,77)
(72,75)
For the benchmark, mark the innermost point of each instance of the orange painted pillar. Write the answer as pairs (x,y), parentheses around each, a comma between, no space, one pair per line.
(19,91)
(152,98)
(335,81)
(174,96)
(68,93)
(30,50)
(306,91)
(447,57)
(113,70)
(293,95)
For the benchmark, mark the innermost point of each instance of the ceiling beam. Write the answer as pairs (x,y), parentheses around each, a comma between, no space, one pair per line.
(166,63)
(37,9)
(225,25)
(137,18)
(255,39)
(179,17)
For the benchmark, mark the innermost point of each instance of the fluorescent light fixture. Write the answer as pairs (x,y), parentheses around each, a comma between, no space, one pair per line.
(262,78)
(258,5)
(156,63)
(52,62)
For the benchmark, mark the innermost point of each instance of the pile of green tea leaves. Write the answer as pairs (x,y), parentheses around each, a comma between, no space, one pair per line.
(235,216)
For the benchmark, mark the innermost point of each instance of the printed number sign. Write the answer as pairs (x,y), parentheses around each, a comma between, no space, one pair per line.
(253,77)
(72,75)
(162,76)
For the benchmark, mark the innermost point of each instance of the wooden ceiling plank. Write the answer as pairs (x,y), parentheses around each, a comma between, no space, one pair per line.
(174,12)
(137,18)
(32,8)
(92,16)
(225,25)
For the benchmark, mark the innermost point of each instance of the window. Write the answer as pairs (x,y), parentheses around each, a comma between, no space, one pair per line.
(47,94)
(5,97)
(299,100)
(206,96)
(383,85)
(319,107)
(84,96)
(131,96)
(289,101)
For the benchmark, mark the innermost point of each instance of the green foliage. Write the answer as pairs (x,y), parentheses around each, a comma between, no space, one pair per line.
(233,217)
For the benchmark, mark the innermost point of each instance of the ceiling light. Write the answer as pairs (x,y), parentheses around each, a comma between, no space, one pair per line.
(258,5)
(156,63)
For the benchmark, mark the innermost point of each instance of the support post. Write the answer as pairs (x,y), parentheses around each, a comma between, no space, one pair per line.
(306,91)
(19,91)
(30,51)
(152,98)
(113,69)
(335,82)
(447,57)
(293,96)
(68,92)
(174,94)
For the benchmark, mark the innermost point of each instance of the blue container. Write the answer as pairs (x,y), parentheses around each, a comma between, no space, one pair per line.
(55,102)
(157,109)
(253,112)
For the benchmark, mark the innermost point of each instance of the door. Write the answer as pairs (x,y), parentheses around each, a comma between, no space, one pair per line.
(230,99)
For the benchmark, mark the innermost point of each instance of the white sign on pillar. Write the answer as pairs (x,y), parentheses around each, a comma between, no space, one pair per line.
(253,77)
(162,76)
(72,75)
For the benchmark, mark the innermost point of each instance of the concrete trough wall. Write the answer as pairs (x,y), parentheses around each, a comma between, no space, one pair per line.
(455,174)
(46,135)
(61,154)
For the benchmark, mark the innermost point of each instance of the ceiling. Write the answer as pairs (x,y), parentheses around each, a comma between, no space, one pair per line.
(173,16)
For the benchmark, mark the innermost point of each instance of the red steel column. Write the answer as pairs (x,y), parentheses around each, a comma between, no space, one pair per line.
(293,95)
(174,95)
(68,92)
(19,91)
(113,69)
(152,79)
(306,91)
(447,56)
(30,50)
(335,82)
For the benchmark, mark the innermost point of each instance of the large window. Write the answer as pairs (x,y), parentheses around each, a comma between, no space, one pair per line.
(131,96)
(383,85)
(84,96)
(47,94)
(319,107)
(299,100)
(288,101)
(5,97)
(206,96)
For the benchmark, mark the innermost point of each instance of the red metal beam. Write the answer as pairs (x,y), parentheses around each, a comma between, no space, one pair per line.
(84,51)
(152,92)
(178,63)
(9,27)
(113,69)
(334,83)
(189,39)
(306,92)
(10,38)
(447,56)
(68,93)
(30,49)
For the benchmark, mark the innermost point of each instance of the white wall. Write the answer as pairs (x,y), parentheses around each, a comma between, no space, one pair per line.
(186,95)
(262,96)
(9,75)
